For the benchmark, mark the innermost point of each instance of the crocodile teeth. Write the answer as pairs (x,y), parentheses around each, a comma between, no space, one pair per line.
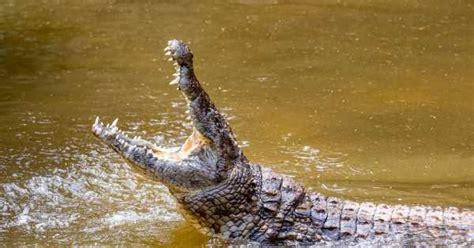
(170,59)
(175,81)
(96,121)
(114,123)
(168,53)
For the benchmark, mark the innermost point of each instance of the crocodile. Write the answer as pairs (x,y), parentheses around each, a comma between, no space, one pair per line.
(223,194)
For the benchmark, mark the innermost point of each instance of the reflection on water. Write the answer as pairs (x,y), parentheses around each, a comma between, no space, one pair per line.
(365,100)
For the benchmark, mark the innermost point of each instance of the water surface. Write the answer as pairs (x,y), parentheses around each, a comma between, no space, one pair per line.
(365,100)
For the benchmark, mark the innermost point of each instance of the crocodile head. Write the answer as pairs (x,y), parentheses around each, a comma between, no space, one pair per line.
(195,165)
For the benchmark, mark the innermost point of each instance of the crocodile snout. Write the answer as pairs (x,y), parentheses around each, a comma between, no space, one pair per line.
(179,52)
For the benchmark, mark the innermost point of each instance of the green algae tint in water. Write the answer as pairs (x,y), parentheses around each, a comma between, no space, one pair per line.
(365,100)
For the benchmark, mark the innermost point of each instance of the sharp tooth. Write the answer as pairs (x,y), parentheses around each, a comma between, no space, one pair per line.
(139,137)
(114,123)
(176,74)
(107,125)
(168,53)
(175,81)
(167,48)
(101,124)
(170,59)
(96,120)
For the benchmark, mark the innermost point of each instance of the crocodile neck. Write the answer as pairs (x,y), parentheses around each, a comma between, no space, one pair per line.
(231,208)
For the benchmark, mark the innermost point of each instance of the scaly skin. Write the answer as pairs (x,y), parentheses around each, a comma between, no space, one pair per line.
(223,194)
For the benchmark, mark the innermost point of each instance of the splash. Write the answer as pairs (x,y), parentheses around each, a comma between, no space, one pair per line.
(85,201)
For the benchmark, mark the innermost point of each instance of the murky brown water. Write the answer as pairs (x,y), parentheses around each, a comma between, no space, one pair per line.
(365,100)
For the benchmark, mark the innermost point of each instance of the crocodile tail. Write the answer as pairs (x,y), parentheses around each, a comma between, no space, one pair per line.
(413,224)
(347,220)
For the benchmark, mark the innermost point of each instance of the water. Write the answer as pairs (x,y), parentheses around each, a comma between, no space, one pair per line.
(365,100)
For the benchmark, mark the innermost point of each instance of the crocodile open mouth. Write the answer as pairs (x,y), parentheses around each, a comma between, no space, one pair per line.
(195,158)
(139,150)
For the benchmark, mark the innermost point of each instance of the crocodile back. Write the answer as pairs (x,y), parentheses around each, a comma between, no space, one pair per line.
(291,213)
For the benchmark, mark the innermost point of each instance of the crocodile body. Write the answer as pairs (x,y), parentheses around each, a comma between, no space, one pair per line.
(258,204)
(221,193)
